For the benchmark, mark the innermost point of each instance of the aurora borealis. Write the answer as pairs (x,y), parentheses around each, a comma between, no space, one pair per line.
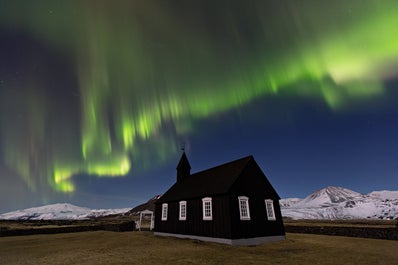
(112,88)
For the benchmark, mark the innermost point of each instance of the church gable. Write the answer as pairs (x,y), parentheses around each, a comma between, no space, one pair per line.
(233,203)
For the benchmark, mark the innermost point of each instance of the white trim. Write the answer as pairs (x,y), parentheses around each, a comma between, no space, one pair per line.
(145,212)
(236,242)
(245,200)
(207,211)
(269,208)
(183,214)
(164,211)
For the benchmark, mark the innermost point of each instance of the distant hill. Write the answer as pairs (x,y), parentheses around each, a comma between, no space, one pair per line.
(67,211)
(285,203)
(341,203)
(59,211)
(149,205)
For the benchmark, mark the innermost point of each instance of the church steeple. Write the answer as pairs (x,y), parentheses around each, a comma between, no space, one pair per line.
(183,168)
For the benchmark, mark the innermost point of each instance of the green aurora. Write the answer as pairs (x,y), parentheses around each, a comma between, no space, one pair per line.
(146,70)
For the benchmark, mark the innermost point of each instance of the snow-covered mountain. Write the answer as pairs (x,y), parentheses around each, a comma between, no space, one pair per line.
(285,203)
(327,203)
(59,211)
(385,194)
(341,203)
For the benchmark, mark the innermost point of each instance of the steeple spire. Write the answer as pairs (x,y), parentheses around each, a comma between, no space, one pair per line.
(183,168)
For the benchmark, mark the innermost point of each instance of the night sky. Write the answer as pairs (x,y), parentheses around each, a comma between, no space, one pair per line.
(98,97)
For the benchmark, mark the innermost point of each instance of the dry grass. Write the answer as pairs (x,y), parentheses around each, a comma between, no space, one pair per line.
(344,223)
(145,248)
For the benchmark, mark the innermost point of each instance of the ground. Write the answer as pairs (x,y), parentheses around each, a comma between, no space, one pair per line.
(104,247)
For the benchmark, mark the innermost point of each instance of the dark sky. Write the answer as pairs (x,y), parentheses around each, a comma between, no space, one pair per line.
(97,97)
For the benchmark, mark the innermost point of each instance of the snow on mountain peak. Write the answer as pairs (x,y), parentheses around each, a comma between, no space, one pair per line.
(385,194)
(58,211)
(341,203)
(288,202)
(328,196)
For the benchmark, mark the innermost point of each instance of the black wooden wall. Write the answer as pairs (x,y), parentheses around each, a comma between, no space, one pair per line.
(226,221)
(194,224)
(254,185)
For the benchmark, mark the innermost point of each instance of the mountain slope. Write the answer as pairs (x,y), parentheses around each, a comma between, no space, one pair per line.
(327,203)
(341,203)
(59,211)
(285,203)
(149,205)
(328,196)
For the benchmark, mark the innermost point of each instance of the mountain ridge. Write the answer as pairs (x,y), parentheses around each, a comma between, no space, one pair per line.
(59,211)
(327,203)
(341,203)
(149,205)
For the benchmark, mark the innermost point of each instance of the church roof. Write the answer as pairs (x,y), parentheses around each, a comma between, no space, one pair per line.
(209,182)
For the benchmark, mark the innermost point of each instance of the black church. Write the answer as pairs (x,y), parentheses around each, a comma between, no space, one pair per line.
(233,203)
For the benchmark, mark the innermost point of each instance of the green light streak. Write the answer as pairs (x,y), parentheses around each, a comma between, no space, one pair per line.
(142,68)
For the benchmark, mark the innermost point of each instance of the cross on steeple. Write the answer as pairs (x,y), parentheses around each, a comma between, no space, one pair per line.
(183,147)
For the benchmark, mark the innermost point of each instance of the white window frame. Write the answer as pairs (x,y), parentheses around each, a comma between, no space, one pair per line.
(269,208)
(165,208)
(207,201)
(183,214)
(244,201)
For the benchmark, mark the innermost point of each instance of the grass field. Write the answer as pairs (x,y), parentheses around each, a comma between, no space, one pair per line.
(376,223)
(144,248)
